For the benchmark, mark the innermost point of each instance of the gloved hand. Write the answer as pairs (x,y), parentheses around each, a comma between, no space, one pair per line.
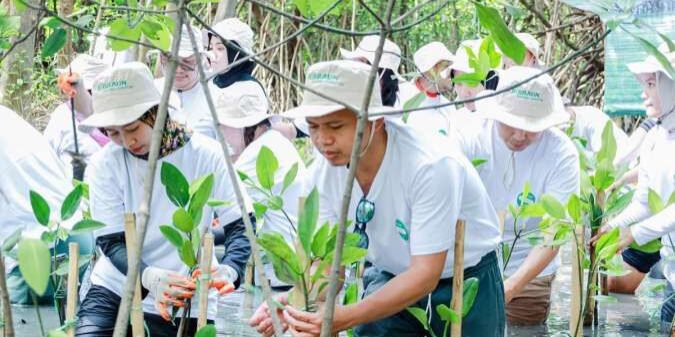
(168,289)
(222,278)
(67,82)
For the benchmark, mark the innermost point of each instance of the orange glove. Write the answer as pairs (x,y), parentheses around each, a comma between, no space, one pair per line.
(168,289)
(66,82)
(221,279)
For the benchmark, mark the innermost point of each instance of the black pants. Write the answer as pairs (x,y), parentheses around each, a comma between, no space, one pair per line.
(98,312)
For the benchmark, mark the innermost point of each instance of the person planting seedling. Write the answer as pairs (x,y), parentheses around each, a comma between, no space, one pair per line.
(409,195)
(648,217)
(125,106)
(522,144)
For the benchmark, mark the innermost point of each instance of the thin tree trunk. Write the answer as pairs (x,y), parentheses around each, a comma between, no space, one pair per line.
(65,9)
(8,328)
(225,10)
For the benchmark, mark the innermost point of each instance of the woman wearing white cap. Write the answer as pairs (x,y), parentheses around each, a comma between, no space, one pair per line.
(246,126)
(390,88)
(521,144)
(75,81)
(432,61)
(407,196)
(657,172)
(125,106)
(187,95)
(461,66)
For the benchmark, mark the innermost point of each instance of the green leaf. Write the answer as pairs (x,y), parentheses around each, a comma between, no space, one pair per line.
(649,247)
(606,299)
(156,32)
(352,254)
(266,166)
(54,42)
(619,204)
(535,210)
(608,147)
(414,101)
(243,176)
(218,203)
(604,174)
(283,271)
(62,270)
(120,28)
(552,206)
(57,333)
(351,294)
(71,203)
(574,208)
(172,235)
(259,210)
(654,201)
(20,5)
(40,208)
(34,264)
(446,314)
(420,314)
(85,226)
(274,244)
(182,220)
(275,203)
(477,162)
(51,22)
(320,241)
(509,44)
(307,220)
(289,178)
(202,193)
(12,240)
(470,292)
(176,185)
(208,330)
(671,200)
(607,244)
(187,254)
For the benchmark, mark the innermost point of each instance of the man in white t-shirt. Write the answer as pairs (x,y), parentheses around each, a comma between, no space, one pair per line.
(521,144)
(407,196)
(246,127)
(187,95)
(432,61)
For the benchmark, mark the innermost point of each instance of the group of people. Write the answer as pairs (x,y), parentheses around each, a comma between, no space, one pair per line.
(417,176)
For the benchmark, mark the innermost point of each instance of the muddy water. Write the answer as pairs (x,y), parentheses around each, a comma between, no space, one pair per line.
(629,316)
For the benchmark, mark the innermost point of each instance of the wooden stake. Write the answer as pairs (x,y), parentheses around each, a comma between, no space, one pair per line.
(458,279)
(577,284)
(73,277)
(137,329)
(205,266)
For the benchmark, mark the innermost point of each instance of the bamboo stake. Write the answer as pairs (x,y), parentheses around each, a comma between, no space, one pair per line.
(250,234)
(8,326)
(73,276)
(122,321)
(205,266)
(577,284)
(136,308)
(458,279)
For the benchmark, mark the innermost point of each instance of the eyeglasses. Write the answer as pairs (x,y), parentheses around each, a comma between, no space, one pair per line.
(365,211)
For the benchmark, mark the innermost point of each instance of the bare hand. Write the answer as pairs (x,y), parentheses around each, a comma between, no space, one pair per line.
(262,318)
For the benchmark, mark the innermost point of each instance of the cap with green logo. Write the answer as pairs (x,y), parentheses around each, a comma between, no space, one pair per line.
(122,95)
(534,106)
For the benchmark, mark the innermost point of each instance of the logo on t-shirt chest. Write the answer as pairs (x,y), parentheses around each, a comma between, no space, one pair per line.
(521,200)
(403,230)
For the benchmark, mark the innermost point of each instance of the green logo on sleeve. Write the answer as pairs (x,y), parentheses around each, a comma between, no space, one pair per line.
(403,230)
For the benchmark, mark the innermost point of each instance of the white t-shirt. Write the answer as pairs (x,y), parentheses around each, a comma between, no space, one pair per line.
(189,107)
(589,124)
(116,183)
(656,172)
(419,192)
(434,120)
(59,133)
(550,165)
(27,162)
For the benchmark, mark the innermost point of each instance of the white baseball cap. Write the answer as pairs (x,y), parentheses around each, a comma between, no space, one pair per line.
(431,54)
(241,104)
(344,80)
(88,67)
(652,65)
(531,43)
(185,48)
(391,53)
(122,95)
(461,61)
(233,29)
(534,106)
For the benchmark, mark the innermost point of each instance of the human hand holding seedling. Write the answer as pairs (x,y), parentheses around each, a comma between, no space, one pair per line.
(167,288)
(221,278)
(261,320)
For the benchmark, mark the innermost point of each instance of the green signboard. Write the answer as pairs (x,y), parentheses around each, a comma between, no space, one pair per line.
(622,90)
